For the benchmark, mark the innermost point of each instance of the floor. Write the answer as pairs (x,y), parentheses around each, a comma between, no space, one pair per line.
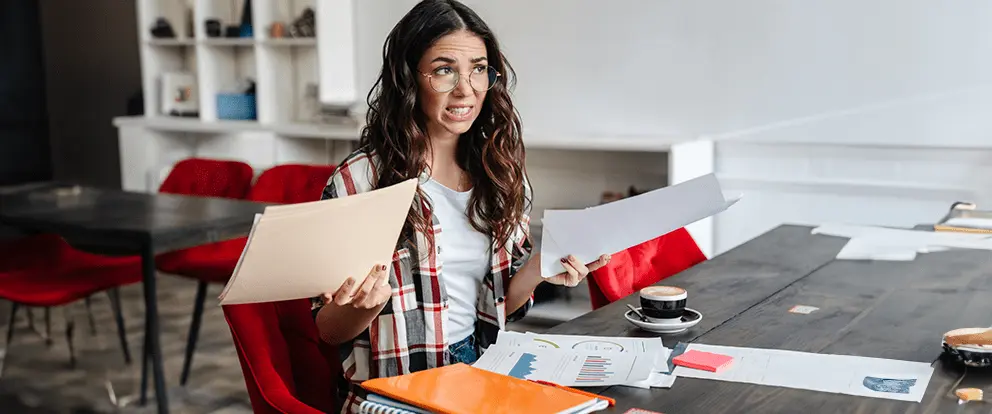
(37,378)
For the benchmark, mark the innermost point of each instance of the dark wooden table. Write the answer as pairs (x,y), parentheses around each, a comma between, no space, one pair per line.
(119,222)
(895,310)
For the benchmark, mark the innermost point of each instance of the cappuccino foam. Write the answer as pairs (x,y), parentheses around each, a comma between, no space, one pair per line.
(663,291)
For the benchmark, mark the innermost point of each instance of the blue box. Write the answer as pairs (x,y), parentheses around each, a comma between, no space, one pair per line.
(237,106)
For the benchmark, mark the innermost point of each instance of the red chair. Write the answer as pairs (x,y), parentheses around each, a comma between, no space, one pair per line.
(643,265)
(208,178)
(215,262)
(45,271)
(287,367)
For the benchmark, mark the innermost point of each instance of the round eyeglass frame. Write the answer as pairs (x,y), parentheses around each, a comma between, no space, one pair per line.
(458,78)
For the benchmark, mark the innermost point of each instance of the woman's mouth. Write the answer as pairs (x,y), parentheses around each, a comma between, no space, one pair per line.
(458,113)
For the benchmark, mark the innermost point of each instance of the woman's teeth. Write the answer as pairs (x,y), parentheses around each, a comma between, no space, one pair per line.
(460,110)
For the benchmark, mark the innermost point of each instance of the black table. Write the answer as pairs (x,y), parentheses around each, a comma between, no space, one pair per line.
(108,221)
(895,310)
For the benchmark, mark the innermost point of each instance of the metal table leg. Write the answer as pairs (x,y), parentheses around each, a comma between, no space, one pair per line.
(153,345)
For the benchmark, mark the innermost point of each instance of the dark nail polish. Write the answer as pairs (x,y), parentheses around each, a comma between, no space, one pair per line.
(564,260)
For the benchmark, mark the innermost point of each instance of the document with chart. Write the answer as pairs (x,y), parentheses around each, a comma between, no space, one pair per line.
(569,368)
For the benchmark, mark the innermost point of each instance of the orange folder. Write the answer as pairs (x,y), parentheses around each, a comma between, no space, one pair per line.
(461,388)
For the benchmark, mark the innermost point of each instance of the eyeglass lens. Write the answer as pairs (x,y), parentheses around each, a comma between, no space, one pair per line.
(482,79)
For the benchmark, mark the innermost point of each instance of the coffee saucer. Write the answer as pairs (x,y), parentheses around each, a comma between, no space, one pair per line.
(689,319)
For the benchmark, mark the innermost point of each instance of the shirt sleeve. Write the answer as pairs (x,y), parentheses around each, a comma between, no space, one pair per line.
(522,252)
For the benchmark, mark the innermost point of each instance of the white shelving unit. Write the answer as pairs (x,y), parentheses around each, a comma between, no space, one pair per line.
(293,77)
(286,70)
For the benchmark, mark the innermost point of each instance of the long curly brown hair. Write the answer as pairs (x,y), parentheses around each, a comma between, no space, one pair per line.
(491,152)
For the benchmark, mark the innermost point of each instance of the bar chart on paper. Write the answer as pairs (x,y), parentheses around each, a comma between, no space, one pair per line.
(570,368)
(595,370)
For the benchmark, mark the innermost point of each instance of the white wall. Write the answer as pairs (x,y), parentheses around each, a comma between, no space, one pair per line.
(717,67)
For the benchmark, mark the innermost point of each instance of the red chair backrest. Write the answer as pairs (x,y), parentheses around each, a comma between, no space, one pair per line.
(209,178)
(291,183)
(287,368)
(643,265)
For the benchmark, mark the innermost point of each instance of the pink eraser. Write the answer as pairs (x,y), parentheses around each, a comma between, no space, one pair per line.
(706,361)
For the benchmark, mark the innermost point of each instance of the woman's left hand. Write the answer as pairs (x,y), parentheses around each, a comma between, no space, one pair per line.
(575,271)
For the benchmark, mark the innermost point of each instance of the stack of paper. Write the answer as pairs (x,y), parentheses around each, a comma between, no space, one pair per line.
(566,359)
(303,250)
(613,227)
(879,243)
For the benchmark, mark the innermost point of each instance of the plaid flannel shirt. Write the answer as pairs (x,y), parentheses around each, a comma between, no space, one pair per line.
(410,333)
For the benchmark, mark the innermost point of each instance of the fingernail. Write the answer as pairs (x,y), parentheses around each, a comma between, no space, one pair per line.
(564,260)
(571,258)
(382,268)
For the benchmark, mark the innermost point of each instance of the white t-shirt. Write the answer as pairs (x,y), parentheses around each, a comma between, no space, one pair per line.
(464,254)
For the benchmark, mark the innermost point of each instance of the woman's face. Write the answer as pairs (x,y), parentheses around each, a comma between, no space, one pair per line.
(450,114)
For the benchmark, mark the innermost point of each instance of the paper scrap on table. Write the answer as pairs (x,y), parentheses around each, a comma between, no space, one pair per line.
(612,227)
(302,250)
(803,309)
(839,374)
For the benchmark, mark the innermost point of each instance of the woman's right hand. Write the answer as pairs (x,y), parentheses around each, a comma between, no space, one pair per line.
(371,293)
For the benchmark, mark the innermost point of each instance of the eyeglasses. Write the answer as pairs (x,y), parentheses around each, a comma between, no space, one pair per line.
(445,79)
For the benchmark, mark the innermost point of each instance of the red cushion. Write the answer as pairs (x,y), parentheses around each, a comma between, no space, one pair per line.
(212,262)
(44,271)
(291,183)
(643,265)
(209,178)
(287,368)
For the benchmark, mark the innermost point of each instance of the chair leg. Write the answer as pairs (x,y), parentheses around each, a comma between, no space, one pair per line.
(10,335)
(194,330)
(70,327)
(115,305)
(89,314)
(48,327)
(30,315)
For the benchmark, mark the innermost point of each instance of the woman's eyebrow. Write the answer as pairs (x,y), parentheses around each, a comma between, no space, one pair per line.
(443,59)
(479,59)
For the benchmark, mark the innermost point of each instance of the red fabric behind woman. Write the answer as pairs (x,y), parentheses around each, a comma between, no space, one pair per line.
(643,265)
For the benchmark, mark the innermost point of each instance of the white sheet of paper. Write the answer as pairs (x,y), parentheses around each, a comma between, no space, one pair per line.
(915,238)
(867,248)
(839,374)
(567,367)
(302,250)
(660,376)
(609,228)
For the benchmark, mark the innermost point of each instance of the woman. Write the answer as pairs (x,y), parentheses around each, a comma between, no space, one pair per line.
(441,111)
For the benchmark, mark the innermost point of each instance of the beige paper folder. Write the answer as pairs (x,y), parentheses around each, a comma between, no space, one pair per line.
(302,250)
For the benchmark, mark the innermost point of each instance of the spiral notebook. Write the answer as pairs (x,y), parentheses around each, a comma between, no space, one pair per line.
(377,404)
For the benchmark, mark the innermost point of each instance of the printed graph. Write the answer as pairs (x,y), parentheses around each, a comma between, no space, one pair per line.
(595,369)
(598,345)
(524,366)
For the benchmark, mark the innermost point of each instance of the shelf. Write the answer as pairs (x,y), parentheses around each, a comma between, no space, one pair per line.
(171,42)
(290,42)
(347,129)
(228,41)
